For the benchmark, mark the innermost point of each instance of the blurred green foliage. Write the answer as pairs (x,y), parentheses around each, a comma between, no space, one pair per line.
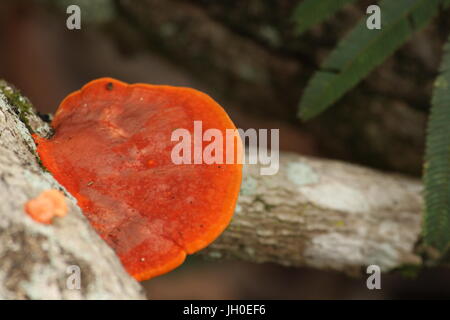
(355,57)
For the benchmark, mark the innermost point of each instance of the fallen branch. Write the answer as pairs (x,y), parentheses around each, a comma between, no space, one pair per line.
(324,214)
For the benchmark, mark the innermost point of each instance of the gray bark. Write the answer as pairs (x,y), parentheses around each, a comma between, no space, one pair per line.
(324,214)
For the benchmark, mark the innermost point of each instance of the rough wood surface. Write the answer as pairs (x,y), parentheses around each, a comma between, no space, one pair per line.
(34,258)
(324,214)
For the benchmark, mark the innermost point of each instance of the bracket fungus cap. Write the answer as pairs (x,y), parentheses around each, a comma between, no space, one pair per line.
(112,151)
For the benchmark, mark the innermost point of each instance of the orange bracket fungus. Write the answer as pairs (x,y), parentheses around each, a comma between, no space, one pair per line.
(112,151)
(46,206)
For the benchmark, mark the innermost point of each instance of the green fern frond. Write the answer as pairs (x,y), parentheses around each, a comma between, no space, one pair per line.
(312,12)
(362,50)
(437,162)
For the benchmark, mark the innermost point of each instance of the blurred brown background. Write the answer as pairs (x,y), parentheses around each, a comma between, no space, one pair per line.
(46,61)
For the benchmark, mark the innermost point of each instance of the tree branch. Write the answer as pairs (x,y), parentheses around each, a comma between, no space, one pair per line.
(318,213)
(324,214)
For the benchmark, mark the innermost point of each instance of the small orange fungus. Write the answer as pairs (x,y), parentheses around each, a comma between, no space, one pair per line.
(48,204)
